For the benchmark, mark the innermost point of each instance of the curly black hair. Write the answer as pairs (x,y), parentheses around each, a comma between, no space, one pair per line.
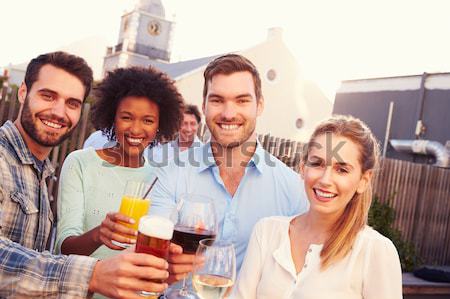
(139,82)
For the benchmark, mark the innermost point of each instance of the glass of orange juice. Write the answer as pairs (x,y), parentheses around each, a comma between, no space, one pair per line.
(134,205)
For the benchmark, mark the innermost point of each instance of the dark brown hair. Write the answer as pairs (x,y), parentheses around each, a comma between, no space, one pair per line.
(72,64)
(193,110)
(228,64)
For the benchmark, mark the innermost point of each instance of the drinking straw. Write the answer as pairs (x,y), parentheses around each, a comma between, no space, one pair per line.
(150,188)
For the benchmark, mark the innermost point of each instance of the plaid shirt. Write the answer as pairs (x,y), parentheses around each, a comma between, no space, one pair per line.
(25,222)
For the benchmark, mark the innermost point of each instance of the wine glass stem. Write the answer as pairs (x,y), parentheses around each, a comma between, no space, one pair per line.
(183,290)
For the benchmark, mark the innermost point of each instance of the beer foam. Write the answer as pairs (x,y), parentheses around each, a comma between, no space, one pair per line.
(156,226)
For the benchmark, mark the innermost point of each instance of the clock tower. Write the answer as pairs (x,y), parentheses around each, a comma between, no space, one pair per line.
(145,37)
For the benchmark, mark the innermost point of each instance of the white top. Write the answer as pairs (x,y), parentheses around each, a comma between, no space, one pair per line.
(371,270)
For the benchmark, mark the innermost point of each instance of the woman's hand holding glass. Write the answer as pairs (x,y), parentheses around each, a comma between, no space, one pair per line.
(135,204)
(112,230)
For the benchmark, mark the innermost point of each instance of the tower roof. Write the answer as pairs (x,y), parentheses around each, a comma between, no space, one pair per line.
(154,7)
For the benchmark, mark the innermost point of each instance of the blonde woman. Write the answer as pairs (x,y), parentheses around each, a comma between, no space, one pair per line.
(328,252)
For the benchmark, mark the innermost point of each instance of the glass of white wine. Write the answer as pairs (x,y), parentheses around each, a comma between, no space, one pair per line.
(214,269)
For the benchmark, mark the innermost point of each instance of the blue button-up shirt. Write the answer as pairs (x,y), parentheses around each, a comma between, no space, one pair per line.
(267,188)
(162,154)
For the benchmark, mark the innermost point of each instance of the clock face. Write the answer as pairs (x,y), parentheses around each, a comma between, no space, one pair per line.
(153,27)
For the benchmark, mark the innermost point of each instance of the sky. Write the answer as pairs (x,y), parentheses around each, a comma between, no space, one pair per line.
(332,40)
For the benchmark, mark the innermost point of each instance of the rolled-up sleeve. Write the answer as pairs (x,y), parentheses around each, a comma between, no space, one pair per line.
(25,273)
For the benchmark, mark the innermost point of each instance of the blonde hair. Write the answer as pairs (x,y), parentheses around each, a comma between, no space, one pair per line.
(354,217)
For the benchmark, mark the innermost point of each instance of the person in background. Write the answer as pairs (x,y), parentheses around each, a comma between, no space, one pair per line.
(245,181)
(187,138)
(161,153)
(135,107)
(329,251)
(51,97)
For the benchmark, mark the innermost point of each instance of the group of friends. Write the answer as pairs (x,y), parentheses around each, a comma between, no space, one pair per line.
(296,235)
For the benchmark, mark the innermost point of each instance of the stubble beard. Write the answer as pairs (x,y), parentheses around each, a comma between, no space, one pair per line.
(30,127)
(247,134)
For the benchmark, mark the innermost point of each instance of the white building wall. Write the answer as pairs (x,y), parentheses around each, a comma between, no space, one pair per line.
(16,76)
(287,98)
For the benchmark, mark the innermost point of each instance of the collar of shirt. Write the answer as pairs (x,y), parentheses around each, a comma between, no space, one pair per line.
(283,255)
(258,159)
(22,151)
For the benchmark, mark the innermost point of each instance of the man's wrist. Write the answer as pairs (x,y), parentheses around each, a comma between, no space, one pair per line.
(93,283)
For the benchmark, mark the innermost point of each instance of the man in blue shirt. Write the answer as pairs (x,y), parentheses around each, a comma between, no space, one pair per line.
(233,169)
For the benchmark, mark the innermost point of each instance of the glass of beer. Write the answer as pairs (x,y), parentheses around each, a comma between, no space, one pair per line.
(214,278)
(133,205)
(196,220)
(154,235)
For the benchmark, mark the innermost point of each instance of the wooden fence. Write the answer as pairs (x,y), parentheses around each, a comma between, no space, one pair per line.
(420,194)
(9,109)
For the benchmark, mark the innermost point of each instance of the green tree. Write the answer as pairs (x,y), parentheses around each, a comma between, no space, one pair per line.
(381,218)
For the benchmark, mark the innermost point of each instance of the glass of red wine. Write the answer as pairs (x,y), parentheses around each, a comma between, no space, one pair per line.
(196,220)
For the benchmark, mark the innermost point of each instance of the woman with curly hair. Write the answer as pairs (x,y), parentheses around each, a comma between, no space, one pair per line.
(329,251)
(135,107)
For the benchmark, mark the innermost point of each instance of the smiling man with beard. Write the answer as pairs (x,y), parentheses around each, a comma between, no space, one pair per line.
(245,181)
(51,97)
(51,109)
(45,136)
